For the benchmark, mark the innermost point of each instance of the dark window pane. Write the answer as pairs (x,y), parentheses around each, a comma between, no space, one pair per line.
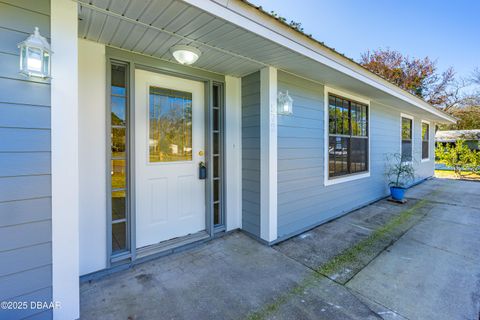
(425,150)
(216,214)
(338,155)
(119,238)
(215,97)
(425,130)
(118,205)
(216,119)
(119,178)
(406,150)
(118,142)
(118,111)
(216,143)
(358,155)
(118,80)
(216,168)
(216,190)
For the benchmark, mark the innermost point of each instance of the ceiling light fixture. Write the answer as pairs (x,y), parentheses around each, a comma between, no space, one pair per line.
(185,54)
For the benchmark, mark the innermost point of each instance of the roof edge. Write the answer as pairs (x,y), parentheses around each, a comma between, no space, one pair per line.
(255,18)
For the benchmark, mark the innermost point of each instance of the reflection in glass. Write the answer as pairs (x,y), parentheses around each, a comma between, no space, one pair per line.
(348,136)
(170,122)
(119,169)
(118,205)
(118,142)
(118,111)
(406,139)
(425,138)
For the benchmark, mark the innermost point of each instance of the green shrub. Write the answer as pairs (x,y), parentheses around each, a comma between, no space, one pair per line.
(459,157)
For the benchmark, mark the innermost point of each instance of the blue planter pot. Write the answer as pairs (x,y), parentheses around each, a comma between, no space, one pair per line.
(397,193)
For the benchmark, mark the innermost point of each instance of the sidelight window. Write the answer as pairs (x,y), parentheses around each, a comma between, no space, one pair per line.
(118,157)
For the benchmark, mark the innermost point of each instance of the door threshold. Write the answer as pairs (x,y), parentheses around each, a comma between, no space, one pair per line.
(171,245)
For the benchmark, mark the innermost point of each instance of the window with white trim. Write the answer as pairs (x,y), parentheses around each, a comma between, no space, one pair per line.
(407,143)
(425,140)
(348,137)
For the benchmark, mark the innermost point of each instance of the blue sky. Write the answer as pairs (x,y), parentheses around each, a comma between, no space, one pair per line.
(445,30)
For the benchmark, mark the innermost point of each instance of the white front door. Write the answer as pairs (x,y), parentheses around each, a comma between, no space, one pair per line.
(169,146)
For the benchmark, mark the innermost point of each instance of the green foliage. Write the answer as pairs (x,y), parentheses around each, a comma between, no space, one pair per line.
(295,25)
(399,172)
(468,118)
(459,157)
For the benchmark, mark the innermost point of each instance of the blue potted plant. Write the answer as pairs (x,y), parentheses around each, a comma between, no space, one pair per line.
(400,173)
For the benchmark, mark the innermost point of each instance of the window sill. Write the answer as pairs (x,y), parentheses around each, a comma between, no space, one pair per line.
(347,178)
(426,160)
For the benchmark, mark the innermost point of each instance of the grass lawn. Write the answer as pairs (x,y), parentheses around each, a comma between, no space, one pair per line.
(451,175)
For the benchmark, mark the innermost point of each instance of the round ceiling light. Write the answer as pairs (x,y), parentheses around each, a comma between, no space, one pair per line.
(185,54)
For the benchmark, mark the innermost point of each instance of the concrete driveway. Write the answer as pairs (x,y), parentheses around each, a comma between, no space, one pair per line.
(420,260)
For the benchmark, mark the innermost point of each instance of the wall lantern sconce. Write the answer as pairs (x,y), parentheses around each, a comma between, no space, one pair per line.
(185,54)
(35,56)
(284,104)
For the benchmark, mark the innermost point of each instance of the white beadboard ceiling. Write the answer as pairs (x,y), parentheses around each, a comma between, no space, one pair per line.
(152,27)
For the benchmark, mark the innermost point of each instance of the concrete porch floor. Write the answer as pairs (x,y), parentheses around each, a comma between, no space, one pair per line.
(420,260)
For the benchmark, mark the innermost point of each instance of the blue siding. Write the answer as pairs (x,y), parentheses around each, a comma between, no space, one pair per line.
(251,153)
(303,200)
(25,165)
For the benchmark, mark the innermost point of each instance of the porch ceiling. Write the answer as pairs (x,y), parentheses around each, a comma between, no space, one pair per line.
(152,27)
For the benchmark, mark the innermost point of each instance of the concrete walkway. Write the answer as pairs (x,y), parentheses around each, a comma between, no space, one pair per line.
(415,261)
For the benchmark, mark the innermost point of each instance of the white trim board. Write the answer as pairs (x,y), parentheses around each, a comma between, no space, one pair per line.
(351,177)
(65,165)
(268,154)
(233,153)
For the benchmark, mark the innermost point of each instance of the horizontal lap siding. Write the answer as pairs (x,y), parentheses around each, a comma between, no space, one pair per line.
(251,153)
(303,200)
(25,165)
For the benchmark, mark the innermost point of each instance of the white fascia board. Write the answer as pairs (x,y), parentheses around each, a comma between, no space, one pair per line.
(250,19)
(268,154)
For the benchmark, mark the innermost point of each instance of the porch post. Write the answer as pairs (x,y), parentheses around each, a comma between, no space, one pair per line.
(233,152)
(65,175)
(268,154)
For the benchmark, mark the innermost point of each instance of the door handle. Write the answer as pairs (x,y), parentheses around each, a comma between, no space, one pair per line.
(202,171)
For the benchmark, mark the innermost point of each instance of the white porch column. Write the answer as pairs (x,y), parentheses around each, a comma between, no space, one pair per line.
(65,205)
(233,152)
(268,154)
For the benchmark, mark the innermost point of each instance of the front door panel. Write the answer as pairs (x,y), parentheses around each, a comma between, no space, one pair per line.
(169,146)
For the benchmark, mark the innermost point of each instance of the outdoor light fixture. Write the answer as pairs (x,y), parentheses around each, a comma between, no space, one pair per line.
(284,104)
(185,54)
(35,56)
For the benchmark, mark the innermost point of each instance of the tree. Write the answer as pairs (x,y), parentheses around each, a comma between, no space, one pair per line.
(468,118)
(459,157)
(418,76)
